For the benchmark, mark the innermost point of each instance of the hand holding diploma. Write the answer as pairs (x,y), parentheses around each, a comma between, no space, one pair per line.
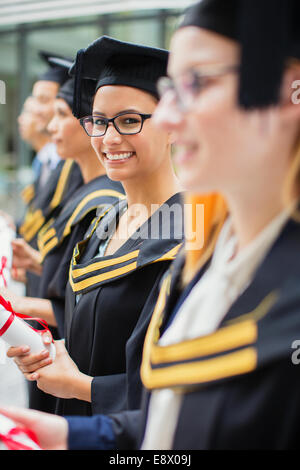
(50,430)
(16,332)
(18,275)
(16,437)
(26,257)
(29,362)
(60,378)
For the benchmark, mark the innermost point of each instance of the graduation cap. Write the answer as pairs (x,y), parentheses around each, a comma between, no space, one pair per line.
(66,91)
(114,62)
(268,33)
(56,72)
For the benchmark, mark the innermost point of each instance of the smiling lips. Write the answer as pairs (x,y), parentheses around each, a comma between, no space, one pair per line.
(118,156)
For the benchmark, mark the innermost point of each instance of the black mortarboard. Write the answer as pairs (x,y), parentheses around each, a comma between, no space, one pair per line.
(113,62)
(268,33)
(66,91)
(55,72)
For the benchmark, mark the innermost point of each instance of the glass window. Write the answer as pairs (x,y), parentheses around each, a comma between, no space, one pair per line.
(20,65)
(65,41)
(8,112)
(142,31)
(171,25)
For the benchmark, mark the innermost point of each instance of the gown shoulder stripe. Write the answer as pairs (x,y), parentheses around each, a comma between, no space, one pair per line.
(98,265)
(86,283)
(61,185)
(94,276)
(48,246)
(47,235)
(86,200)
(32,224)
(28,193)
(227,365)
(225,339)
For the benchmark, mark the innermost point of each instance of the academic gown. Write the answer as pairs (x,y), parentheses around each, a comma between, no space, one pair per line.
(106,323)
(64,180)
(240,383)
(56,241)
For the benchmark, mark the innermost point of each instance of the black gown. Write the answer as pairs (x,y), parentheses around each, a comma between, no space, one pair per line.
(241,383)
(63,181)
(106,324)
(56,241)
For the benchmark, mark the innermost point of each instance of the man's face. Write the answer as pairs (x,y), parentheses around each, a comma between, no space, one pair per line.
(44,93)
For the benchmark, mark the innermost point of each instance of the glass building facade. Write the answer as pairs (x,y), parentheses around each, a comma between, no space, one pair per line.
(20,64)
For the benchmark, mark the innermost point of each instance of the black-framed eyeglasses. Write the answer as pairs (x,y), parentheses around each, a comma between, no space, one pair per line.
(186,87)
(125,123)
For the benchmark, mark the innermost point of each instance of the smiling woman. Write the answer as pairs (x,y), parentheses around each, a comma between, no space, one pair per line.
(116,270)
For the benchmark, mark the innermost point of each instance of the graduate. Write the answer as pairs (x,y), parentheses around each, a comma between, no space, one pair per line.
(116,270)
(223,368)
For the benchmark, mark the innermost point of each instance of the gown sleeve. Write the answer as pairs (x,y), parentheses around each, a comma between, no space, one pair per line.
(100,432)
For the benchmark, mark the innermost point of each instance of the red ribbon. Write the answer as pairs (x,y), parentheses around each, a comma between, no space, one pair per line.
(8,307)
(3,266)
(12,444)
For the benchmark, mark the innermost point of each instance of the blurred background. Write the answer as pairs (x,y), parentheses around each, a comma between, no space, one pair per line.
(61,26)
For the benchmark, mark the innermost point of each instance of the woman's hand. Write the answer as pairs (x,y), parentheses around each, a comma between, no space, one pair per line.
(29,363)
(12,297)
(62,378)
(26,257)
(18,275)
(51,430)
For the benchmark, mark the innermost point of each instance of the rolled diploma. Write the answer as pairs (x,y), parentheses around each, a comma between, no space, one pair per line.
(7,425)
(19,333)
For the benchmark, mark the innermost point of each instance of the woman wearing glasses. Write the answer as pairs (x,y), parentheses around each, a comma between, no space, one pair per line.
(116,270)
(231,103)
